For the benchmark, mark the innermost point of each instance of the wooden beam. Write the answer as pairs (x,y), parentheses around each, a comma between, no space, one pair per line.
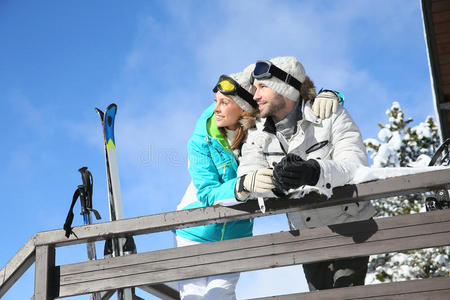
(17,266)
(444,105)
(440,6)
(44,283)
(432,288)
(216,214)
(260,252)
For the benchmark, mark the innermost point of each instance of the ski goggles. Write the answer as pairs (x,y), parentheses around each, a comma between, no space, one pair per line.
(228,86)
(264,69)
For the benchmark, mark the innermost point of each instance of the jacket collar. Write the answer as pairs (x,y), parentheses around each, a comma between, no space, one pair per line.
(308,114)
(304,111)
(207,129)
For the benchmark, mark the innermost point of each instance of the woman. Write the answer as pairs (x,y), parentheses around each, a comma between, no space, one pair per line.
(213,152)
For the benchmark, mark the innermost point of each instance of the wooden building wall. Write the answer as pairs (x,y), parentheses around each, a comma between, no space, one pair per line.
(436,15)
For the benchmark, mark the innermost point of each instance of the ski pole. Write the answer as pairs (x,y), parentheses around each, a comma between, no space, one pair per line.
(84,192)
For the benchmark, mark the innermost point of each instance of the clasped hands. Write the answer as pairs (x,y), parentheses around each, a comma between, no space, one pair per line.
(290,173)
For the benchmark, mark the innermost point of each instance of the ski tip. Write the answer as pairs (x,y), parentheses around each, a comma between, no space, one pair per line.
(112,105)
(100,113)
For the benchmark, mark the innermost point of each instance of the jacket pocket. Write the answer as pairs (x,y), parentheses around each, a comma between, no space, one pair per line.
(273,157)
(320,150)
(222,166)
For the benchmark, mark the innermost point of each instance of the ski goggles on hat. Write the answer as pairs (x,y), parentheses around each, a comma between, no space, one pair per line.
(264,69)
(228,86)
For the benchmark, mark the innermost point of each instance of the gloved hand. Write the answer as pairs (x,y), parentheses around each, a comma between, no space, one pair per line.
(292,172)
(326,101)
(259,181)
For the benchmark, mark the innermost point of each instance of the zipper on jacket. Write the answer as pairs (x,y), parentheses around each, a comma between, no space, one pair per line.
(223,231)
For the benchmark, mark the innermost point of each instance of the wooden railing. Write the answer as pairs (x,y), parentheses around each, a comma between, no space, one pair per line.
(150,270)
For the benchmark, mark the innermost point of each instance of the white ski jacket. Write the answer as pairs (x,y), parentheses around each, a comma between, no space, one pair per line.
(337,146)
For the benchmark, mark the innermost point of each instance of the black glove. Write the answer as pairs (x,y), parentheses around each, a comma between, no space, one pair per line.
(292,172)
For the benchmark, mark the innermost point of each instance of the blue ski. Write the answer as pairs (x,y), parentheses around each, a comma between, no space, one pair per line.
(117,246)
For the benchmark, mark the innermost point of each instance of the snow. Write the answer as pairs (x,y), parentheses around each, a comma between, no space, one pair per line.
(364,174)
(384,134)
(395,105)
(396,140)
(384,155)
(372,141)
(423,131)
(442,259)
(422,161)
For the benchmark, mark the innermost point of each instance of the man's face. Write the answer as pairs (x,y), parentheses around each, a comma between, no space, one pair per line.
(270,103)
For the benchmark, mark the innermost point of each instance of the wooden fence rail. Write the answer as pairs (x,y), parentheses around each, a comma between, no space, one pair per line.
(254,253)
(273,250)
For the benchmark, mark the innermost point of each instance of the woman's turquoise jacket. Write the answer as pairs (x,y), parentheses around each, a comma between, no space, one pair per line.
(212,166)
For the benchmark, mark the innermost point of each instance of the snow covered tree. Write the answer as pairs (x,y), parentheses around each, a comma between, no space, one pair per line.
(400,145)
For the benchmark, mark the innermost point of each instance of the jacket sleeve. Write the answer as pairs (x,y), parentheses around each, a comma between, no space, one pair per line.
(206,178)
(252,155)
(347,155)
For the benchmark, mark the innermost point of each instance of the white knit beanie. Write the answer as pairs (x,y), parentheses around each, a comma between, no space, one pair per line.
(293,67)
(244,80)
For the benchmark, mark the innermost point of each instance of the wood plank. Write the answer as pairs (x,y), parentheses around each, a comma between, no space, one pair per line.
(44,283)
(444,80)
(306,237)
(17,266)
(289,250)
(438,6)
(444,68)
(444,106)
(210,258)
(442,38)
(142,266)
(446,89)
(443,49)
(432,288)
(215,214)
(441,17)
(444,58)
(275,260)
(441,28)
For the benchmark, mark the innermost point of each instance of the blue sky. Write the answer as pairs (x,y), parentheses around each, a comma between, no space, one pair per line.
(158,60)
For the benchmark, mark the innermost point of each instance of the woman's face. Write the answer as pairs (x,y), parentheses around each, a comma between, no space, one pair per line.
(227,112)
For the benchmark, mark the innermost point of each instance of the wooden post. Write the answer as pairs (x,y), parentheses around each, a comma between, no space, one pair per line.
(45,283)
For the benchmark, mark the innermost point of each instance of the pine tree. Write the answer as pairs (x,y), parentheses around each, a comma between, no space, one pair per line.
(400,145)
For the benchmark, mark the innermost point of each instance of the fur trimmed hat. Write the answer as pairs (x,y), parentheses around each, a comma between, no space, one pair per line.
(244,80)
(293,67)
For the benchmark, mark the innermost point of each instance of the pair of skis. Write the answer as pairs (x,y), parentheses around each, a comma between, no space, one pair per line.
(116,246)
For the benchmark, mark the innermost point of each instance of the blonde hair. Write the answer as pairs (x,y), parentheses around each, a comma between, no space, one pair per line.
(246,121)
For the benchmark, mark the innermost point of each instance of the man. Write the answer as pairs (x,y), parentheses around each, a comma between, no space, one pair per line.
(305,152)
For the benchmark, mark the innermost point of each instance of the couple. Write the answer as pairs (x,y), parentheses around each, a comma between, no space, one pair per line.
(268,134)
